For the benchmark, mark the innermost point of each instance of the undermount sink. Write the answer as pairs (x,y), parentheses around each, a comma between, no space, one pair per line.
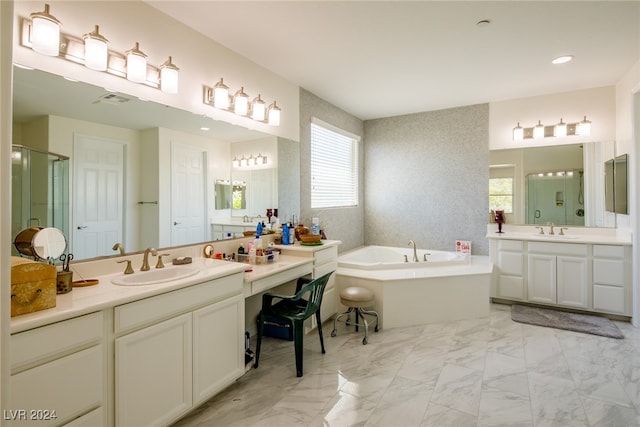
(152,277)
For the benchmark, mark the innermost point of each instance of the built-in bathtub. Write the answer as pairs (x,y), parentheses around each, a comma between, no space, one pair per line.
(446,287)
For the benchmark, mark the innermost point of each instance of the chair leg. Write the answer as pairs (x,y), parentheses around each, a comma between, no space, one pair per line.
(259,340)
(319,322)
(297,337)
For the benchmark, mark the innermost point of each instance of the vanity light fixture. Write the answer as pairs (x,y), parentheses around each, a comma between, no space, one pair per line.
(258,109)
(136,64)
(273,114)
(169,77)
(41,32)
(252,160)
(560,130)
(96,54)
(584,127)
(241,102)
(538,130)
(221,95)
(218,97)
(518,132)
(45,32)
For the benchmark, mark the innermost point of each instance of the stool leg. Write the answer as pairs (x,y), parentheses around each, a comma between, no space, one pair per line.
(335,321)
(375,314)
(366,329)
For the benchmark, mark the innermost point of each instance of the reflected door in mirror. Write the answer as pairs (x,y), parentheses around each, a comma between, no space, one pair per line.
(98,196)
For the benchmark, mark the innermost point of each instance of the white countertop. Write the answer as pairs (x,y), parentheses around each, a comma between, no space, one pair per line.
(583,235)
(84,300)
(309,248)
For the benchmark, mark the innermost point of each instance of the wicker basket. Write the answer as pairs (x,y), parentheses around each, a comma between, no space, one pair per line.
(310,238)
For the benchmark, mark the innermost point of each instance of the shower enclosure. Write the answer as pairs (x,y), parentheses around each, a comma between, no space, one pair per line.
(556,197)
(39,190)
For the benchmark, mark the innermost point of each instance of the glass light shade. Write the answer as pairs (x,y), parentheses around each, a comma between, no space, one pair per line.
(96,54)
(235,162)
(45,33)
(518,133)
(273,114)
(251,161)
(169,77)
(584,127)
(258,109)
(560,130)
(538,131)
(241,103)
(221,95)
(136,65)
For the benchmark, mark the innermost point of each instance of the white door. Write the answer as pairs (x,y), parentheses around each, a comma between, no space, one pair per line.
(188,198)
(98,195)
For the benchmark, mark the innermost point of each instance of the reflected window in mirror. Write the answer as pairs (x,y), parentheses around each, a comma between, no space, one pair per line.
(239,195)
(501,189)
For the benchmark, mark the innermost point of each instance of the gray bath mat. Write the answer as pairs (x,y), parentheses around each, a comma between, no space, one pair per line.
(585,323)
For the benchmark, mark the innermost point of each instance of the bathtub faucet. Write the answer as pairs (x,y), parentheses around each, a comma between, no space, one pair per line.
(415,254)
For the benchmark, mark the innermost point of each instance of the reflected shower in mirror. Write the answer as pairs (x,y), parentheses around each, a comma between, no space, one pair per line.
(563,184)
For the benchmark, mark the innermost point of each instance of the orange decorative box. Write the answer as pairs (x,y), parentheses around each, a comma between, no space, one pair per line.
(33,286)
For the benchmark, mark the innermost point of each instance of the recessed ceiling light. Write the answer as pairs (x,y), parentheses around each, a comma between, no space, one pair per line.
(562,59)
(204,128)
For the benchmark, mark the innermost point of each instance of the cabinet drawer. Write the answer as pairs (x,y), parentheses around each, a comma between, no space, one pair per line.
(608,251)
(72,386)
(53,340)
(269,282)
(511,263)
(576,249)
(608,298)
(510,245)
(325,255)
(608,272)
(323,269)
(151,310)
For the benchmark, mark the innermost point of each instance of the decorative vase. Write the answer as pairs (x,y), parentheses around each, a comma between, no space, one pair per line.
(499,220)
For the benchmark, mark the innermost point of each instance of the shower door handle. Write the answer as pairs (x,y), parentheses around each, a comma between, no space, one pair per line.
(537,215)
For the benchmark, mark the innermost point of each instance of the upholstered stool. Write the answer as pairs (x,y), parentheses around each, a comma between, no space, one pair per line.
(357,299)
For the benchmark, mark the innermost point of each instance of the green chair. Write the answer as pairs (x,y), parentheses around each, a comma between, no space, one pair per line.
(295,309)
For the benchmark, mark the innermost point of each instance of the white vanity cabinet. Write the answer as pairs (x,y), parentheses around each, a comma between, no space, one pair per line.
(177,349)
(58,374)
(511,268)
(611,271)
(558,273)
(587,276)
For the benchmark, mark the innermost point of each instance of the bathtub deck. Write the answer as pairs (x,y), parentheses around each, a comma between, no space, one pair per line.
(419,296)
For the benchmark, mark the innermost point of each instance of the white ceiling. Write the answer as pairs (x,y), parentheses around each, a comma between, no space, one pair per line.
(384,58)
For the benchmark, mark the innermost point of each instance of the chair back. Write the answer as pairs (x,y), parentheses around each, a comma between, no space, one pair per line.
(315,289)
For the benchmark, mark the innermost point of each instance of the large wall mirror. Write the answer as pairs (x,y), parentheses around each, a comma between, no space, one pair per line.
(563,184)
(154,163)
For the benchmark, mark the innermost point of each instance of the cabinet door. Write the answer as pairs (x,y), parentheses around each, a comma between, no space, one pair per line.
(153,373)
(542,278)
(572,281)
(510,275)
(218,353)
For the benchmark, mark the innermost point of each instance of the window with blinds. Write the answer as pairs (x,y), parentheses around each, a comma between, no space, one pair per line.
(334,166)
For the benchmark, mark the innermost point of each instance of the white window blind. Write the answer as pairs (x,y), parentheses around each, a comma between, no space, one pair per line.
(334,166)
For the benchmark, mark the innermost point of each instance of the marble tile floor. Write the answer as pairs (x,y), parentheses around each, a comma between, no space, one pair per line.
(483,372)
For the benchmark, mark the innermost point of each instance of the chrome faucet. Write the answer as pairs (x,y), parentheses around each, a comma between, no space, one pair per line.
(118,247)
(550,224)
(145,260)
(415,254)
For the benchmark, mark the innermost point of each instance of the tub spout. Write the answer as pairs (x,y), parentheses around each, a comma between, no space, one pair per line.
(415,254)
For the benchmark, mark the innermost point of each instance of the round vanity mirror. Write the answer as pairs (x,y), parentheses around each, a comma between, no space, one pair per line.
(41,243)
